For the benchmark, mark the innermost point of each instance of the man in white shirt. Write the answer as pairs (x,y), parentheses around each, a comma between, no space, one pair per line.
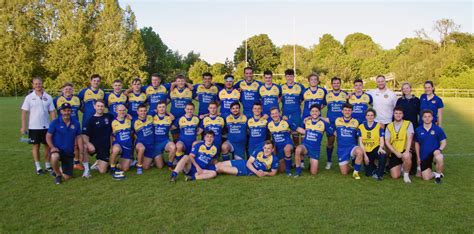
(384,101)
(39,105)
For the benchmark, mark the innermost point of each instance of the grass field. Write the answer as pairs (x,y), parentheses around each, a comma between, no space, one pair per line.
(327,202)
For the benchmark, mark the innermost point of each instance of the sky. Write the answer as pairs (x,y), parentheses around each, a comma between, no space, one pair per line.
(216,28)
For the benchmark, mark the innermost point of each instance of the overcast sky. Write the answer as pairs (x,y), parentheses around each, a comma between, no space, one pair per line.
(216,28)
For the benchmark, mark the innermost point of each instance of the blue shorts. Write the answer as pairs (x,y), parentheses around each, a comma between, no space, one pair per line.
(160,147)
(313,153)
(126,151)
(238,148)
(254,147)
(149,149)
(294,119)
(345,154)
(241,166)
(187,146)
(192,171)
(280,149)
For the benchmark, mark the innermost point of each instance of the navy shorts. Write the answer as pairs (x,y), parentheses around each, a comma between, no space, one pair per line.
(241,166)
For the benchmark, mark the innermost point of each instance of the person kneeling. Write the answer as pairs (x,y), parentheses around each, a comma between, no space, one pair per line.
(198,164)
(262,163)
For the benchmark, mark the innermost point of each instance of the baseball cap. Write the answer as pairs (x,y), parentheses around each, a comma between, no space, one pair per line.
(65,106)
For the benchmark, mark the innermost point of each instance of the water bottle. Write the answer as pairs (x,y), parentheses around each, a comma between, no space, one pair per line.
(24,138)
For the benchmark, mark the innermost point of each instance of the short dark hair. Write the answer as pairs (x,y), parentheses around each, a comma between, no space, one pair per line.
(378,76)
(427,111)
(95,76)
(135,80)
(248,68)
(235,104)
(289,72)
(268,142)
(429,82)
(274,108)
(257,104)
(398,108)
(335,78)
(315,106)
(155,75)
(180,76)
(268,72)
(143,105)
(213,103)
(117,81)
(36,78)
(347,105)
(206,74)
(371,110)
(209,132)
(190,104)
(358,81)
(161,102)
(100,100)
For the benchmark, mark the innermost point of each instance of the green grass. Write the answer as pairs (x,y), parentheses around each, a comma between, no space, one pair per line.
(328,202)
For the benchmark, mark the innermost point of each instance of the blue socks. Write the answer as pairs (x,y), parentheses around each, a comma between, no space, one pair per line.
(329,153)
(288,165)
(169,164)
(357,167)
(174,174)
(298,170)
(226,157)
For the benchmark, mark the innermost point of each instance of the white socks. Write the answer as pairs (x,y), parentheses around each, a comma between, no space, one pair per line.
(86,167)
(47,165)
(406,177)
(38,166)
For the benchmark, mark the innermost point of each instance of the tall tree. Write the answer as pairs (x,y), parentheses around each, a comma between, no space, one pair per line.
(262,54)
(197,69)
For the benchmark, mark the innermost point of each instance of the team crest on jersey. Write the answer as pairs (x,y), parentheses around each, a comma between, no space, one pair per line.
(432,132)
(106,121)
(385,96)
(434,102)
(72,127)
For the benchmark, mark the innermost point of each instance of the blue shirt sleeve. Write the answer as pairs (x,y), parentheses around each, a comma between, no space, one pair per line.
(143,88)
(80,95)
(237,85)
(440,103)
(382,132)
(371,100)
(329,128)
(441,134)
(195,149)
(275,163)
(52,126)
(417,132)
(77,128)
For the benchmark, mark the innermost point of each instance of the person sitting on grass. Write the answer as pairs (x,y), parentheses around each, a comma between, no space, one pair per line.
(63,134)
(262,162)
(198,165)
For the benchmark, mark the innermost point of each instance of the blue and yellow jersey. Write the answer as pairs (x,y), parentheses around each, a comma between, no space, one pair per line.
(249,94)
(203,154)
(237,128)
(188,129)
(281,132)
(155,95)
(88,96)
(135,100)
(75,103)
(291,97)
(122,132)
(215,124)
(371,135)
(227,97)
(162,126)
(314,132)
(113,100)
(179,99)
(360,104)
(265,163)
(205,96)
(257,130)
(144,131)
(312,97)
(269,97)
(347,132)
(335,102)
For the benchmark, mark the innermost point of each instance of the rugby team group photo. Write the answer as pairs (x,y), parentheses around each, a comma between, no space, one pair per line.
(242,127)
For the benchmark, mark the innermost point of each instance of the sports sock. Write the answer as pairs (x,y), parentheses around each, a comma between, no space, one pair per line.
(356,167)
(288,165)
(76,161)
(47,164)
(436,174)
(38,166)
(226,157)
(298,170)
(169,164)
(329,153)
(139,165)
(86,167)
(174,174)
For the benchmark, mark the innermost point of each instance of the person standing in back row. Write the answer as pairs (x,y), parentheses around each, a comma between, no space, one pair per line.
(384,101)
(40,107)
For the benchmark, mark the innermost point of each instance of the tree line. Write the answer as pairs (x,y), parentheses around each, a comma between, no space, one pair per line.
(67,41)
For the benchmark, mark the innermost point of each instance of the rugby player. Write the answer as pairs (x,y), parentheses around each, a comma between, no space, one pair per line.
(236,124)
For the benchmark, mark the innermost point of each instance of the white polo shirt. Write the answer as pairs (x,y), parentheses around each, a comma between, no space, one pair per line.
(38,108)
(384,102)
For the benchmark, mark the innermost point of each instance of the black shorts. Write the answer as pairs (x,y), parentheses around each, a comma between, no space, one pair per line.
(67,162)
(102,152)
(427,163)
(37,136)
(394,161)
(374,154)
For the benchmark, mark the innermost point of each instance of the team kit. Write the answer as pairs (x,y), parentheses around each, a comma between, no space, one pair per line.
(242,128)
